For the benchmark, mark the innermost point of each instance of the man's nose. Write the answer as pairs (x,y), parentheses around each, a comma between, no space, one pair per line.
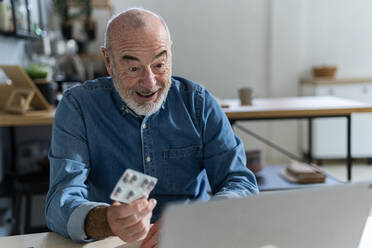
(149,78)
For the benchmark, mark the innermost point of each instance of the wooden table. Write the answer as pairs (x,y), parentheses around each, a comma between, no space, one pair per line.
(298,108)
(31,118)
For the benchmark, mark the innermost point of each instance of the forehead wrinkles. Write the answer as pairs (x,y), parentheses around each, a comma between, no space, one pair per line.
(148,47)
(140,42)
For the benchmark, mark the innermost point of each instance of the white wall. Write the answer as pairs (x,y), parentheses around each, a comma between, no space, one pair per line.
(12,51)
(339,32)
(285,56)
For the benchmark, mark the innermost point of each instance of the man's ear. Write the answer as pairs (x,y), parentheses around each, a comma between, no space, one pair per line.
(106,58)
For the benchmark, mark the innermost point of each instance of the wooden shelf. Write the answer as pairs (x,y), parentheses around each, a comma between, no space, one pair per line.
(96,4)
(327,81)
(17,35)
(101,4)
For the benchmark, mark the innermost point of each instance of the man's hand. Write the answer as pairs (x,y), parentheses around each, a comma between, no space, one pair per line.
(130,221)
(152,238)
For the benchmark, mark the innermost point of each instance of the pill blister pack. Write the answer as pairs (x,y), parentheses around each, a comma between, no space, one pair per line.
(133,185)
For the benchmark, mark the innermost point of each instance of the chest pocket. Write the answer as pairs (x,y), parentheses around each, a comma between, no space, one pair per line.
(183,165)
(182,153)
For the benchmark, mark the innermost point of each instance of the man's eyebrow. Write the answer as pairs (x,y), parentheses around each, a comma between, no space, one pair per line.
(128,57)
(160,54)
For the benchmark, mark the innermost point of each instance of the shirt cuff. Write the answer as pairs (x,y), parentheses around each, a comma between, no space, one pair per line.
(226,195)
(76,222)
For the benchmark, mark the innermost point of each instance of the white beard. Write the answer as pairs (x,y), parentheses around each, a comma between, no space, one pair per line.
(147,108)
(144,109)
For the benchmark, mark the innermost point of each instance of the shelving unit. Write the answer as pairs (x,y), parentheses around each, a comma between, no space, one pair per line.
(37,111)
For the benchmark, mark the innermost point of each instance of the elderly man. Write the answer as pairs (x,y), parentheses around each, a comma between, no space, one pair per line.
(144,119)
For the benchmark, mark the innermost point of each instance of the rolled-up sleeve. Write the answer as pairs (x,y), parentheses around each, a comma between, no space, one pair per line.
(66,202)
(224,155)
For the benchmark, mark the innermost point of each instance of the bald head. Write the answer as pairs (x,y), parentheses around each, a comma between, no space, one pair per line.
(131,20)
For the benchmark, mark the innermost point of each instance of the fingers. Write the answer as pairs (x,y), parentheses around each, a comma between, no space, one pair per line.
(151,241)
(130,221)
(120,210)
(129,214)
(136,231)
(140,229)
(154,230)
(152,238)
(134,218)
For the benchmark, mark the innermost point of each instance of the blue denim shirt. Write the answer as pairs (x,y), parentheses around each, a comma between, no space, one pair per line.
(185,144)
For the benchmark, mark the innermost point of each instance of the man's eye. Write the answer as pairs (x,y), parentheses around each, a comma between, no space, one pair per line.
(161,67)
(133,69)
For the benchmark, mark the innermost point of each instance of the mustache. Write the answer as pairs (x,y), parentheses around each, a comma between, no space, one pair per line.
(146,91)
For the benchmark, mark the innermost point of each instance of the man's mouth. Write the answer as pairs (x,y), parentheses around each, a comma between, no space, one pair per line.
(147,95)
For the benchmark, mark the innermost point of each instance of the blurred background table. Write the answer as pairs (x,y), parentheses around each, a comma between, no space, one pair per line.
(296,108)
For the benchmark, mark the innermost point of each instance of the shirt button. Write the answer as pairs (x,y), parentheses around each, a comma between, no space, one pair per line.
(148,159)
(144,126)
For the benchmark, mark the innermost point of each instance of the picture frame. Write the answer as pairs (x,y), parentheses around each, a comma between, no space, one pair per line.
(21,17)
(6,16)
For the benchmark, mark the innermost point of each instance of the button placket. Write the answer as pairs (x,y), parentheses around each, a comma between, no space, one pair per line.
(147,143)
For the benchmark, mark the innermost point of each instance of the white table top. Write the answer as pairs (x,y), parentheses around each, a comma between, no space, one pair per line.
(54,240)
(294,107)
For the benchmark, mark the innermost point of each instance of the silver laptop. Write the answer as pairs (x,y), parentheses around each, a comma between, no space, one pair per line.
(330,217)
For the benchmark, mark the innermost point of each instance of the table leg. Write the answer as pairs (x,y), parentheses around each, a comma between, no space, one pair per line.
(310,140)
(348,155)
(12,172)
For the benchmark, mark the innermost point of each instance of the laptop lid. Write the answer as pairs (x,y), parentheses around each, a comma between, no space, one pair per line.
(329,217)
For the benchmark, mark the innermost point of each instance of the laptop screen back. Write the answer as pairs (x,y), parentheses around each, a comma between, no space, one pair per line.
(319,217)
